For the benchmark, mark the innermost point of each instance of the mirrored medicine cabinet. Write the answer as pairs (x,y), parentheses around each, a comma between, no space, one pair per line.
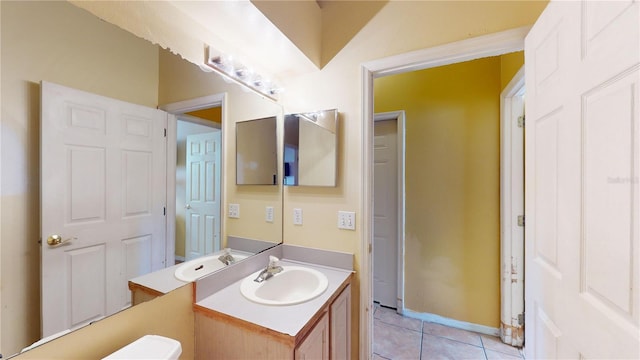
(257,152)
(310,148)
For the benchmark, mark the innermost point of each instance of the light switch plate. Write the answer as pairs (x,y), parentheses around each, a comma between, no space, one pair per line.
(234,211)
(346,220)
(297,216)
(268,216)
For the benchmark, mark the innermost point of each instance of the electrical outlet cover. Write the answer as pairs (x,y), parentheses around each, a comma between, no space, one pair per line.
(346,220)
(234,211)
(297,216)
(268,217)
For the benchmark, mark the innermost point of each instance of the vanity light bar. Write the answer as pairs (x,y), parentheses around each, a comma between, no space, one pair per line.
(235,72)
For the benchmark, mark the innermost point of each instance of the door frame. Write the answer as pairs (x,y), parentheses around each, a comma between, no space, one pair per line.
(470,49)
(399,117)
(512,206)
(178,109)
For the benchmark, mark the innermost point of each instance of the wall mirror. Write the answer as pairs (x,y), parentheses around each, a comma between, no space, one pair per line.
(164,78)
(257,152)
(310,148)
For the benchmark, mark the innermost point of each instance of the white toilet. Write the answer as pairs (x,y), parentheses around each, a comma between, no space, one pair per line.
(149,347)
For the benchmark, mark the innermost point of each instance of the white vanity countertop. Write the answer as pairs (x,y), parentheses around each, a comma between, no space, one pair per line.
(286,319)
(165,281)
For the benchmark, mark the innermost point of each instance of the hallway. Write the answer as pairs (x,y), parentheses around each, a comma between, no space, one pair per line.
(402,338)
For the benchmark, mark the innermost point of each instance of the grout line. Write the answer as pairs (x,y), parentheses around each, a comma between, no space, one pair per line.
(421,340)
(484,350)
(397,326)
(375,353)
(458,341)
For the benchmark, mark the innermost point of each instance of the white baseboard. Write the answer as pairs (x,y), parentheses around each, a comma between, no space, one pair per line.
(437,319)
(179,258)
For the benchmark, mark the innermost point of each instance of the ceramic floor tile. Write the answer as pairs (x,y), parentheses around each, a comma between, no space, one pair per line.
(496,355)
(452,333)
(396,343)
(390,316)
(378,357)
(436,348)
(494,343)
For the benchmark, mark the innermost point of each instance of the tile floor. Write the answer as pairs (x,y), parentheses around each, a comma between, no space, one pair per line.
(401,338)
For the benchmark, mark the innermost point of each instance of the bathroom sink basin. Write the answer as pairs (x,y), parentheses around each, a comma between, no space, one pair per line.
(293,285)
(197,268)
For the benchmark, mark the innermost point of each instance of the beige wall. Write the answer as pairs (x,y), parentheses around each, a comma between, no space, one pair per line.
(60,43)
(452,187)
(106,336)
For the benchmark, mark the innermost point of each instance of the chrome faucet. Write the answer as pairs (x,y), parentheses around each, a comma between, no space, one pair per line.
(226,258)
(270,271)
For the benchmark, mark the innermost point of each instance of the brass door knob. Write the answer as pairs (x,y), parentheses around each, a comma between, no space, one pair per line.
(55,240)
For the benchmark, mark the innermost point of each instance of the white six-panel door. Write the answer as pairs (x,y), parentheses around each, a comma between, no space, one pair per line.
(582,195)
(385,213)
(203,194)
(103,186)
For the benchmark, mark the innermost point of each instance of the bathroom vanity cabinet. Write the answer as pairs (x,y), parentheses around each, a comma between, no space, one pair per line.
(150,286)
(140,294)
(340,321)
(330,336)
(326,333)
(157,283)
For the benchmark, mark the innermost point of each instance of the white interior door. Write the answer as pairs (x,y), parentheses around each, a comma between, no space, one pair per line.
(385,214)
(203,194)
(103,186)
(582,195)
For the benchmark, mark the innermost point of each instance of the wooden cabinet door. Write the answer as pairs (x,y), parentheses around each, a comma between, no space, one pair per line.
(316,345)
(340,314)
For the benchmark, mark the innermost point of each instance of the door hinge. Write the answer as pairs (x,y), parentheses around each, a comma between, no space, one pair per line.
(369,248)
(521,121)
(165,132)
(164,210)
(521,319)
(520,220)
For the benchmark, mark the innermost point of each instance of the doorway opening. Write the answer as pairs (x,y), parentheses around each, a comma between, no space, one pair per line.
(388,247)
(198,184)
(195,227)
(484,46)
